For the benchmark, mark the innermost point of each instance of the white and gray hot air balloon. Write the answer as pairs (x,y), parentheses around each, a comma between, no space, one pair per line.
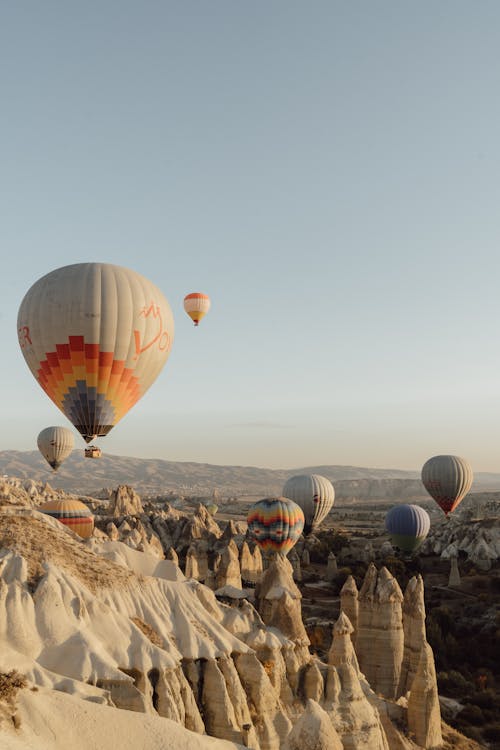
(55,444)
(314,494)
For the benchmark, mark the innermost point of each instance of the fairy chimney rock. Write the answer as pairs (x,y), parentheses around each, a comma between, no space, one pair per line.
(424,715)
(125,501)
(278,600)
(250,564)
(313,731)
(331,567)
(349,603)
(312,685)
(228,570)
(380,639)
(342,650)
(414,631)
(196,563)
(454,579)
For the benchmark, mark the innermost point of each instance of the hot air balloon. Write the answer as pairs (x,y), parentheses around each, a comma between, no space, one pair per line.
(212,508)
(276,524)
(95,336)
(55,444)
(447,479)
(407,525)
(73,514)
(314,494)
(196,305)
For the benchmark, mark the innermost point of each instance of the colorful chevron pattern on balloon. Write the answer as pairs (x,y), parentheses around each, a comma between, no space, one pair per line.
(91,388)
(276,524)
(72,513)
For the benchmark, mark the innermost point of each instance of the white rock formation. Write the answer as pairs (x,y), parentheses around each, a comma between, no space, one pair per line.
(228,571)
(313,731)
(125,501)
(454,577)
(52,720)
(380,639)
(349,603)
(278,601)
(414,632)
(250,563)
(424,714)
(196,562)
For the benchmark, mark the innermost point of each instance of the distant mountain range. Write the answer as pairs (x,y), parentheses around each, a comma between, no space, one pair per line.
(151,477)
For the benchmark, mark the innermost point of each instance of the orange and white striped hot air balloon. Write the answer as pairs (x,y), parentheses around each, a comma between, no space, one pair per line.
(196,305)
(72,513)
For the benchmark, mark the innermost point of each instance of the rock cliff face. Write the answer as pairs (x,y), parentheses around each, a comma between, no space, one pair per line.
(380,638)
(424,717)
(125,501)
(314,731)
(414,632)
(111,624)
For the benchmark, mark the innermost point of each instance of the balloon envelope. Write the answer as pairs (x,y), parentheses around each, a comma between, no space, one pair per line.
(447,479)
(314,494)
(196,305)
(55,444)
(95,336)
(407,525)
(276,524)
(73,514)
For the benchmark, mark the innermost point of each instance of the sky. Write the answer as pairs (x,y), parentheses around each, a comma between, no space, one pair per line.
(328,172)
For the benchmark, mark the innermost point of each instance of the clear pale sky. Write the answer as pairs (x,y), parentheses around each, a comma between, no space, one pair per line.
(328,172)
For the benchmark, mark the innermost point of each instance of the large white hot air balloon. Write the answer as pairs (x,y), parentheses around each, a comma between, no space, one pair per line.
(95,336)
(314,494)
(55,444)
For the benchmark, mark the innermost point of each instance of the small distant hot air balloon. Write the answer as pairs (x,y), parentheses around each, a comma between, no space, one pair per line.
(212,508)
(95,336)
(314,494)
(55,444)
(407,525)
(447,479)
(196,305)
(276,524)
(73,514)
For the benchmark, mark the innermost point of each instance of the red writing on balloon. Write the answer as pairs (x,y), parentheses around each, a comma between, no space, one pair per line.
(161,337)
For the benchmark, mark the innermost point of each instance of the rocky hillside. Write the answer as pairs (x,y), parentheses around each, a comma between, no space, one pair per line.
(159,477)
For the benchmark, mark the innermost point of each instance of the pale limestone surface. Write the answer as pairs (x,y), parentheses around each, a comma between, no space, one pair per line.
(349,604)
(313,731)
(278,601)
(424,714)
(228,571)
(380,638)
(414,631)
(125,501)
(53,720)
(250,563)
(244,675)
(312,682)
(196,562)
(342,650)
